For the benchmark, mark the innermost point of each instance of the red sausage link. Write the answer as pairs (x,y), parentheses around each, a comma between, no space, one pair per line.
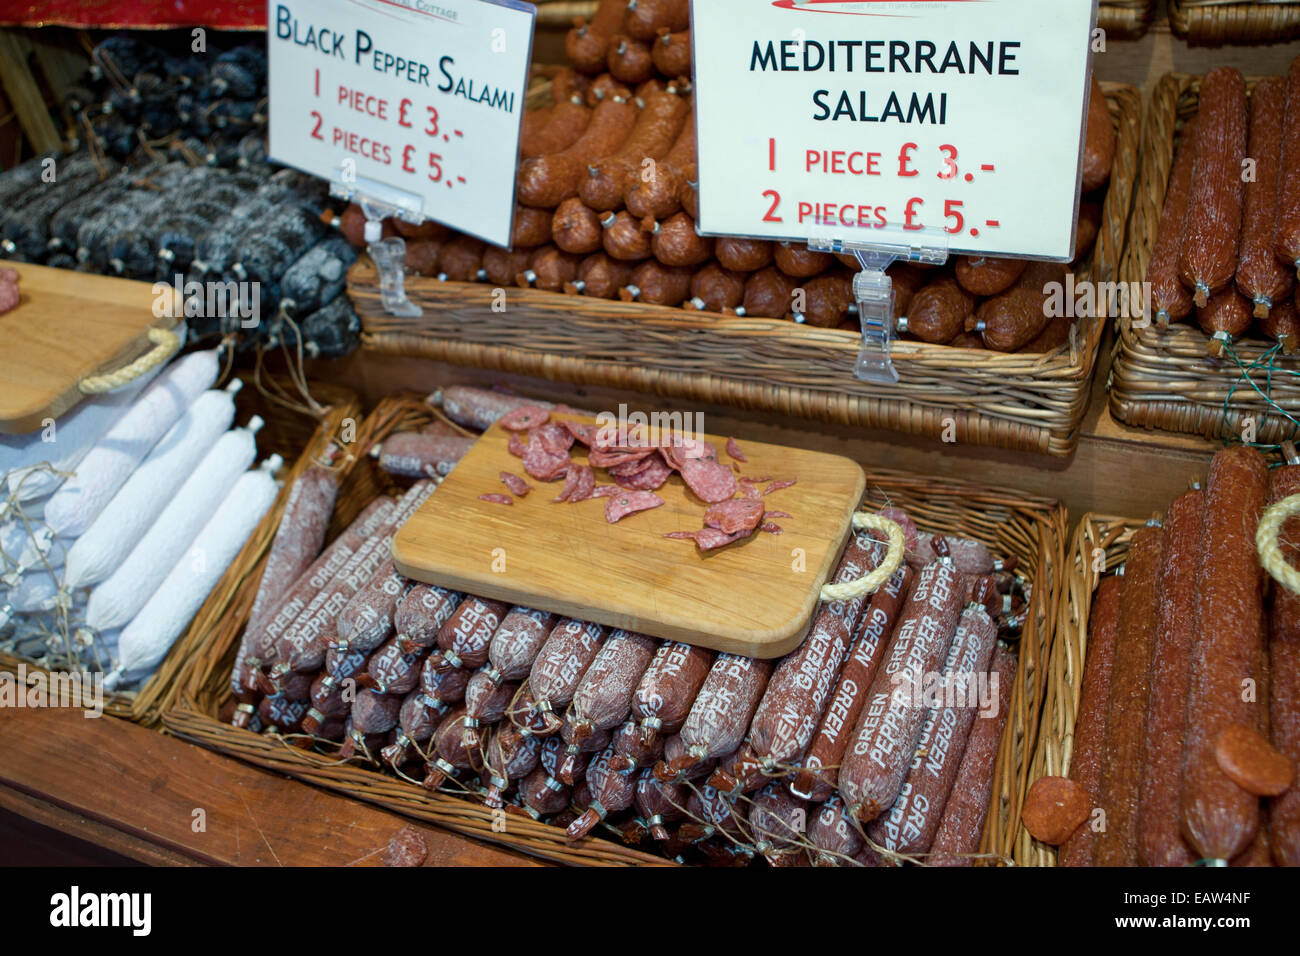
(1090,724)
(714,289)
(1219,818)
(565,123)
(656,130)
(833,834)
(547,181)
(502,265)
(461,259)
(668,688)
(1208,257)
(967,810)
(1130,691)
(911,823)
(796,696)
(744,255)
(661,196)
(516,642)
(586,44)
(1284,653)
(448,751)
(675,242)
(1159,841)
(1287,238)
(884,741)
(392,670)
(600,277)
(672,53)
(624,239)
(869,646)
(576,228)
(367,620)
(656,284)
(643,19)
(611,792)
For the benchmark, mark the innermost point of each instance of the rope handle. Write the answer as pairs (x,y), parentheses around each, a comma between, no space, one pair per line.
(847,590)
(165,342)
(1270,548)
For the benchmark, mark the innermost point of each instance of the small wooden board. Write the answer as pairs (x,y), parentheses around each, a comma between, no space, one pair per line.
(755,597)
(68,325)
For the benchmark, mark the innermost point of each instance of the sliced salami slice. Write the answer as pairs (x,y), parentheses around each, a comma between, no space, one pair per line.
(524,417)
(585,434)
(518,487)
(648,478)
(778,485)
(497,499)
(710,539)
(747,488)
(776,514)
(709,480)
(734,450)
(578,483)
(555,438)
(604,491)
(517,446)
(735,515)
(542,464)
(630,502)
(770,528)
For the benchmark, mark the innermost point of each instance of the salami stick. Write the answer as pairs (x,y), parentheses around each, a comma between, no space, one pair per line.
(392,670)
(463,641)
(884,741)
(304,644)
(511,755)
(1286,241)
(1284,655)
(833,834)
(600,276)
(967,809)
(1090,724)
(516,642)
(416,722)
(659,803)
(422,613)
(1219,819)
(1130,690)
(1159,841)
(800,686)
(667,690)
(560,664)
(720,715)
(603,699)
(910,824)
(611,792)
(1170,299)
(367,620)
(297,541)
(248,678)
(816,781)
(486,703)
(1208,257)
(1260,276)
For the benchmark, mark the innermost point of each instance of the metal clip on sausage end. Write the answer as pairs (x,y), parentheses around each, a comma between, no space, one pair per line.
(1218,345)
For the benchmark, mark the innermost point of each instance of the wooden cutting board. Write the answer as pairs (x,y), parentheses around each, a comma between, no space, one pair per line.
(755,597)
(67,326)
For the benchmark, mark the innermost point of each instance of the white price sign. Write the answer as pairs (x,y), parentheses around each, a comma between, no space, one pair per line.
(858,118)
(416,102)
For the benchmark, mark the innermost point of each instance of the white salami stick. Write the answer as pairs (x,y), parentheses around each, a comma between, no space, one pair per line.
(256,650)
(114,457)
(800,687)
(160,622)
(299,538)
(910,824)
(64,443)
(119,598)
(137,504)
(304,644)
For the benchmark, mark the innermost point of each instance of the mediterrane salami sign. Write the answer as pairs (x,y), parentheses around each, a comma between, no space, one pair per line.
(415,102)
(893,118)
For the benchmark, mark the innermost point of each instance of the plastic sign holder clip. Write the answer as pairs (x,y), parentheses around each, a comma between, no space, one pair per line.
(874,291)
(379,202)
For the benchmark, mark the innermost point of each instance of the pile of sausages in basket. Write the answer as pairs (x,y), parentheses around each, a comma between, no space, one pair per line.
(874,742)
(608,201)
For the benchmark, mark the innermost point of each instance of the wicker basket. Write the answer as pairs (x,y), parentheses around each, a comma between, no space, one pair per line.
(1095,537)
(1020,402)
(1164,379)
(294,437)
(1126,19)
(1214,22)
(1031,529)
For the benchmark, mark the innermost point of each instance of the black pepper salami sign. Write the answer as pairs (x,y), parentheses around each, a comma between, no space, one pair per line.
(414,102)
(858,118)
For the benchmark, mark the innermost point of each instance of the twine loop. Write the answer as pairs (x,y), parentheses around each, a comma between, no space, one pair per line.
(848,590)
(1267,541)
(165,342)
